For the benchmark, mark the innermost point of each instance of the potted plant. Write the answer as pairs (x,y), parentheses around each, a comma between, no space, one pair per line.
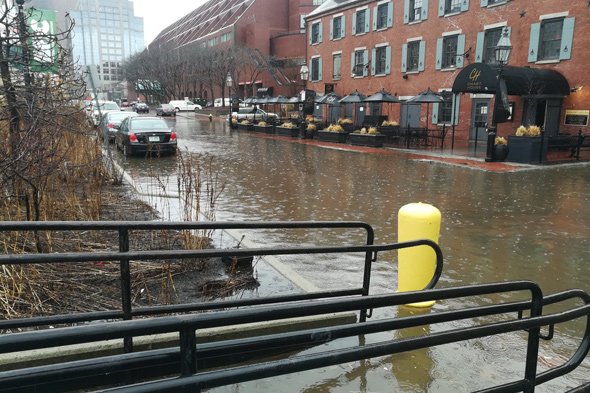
(390,128)
(333,133)
(263,126)
(525,145)
(288,129)
(500,149)
(245,125)
(346,124)
(310,130)
(367,137)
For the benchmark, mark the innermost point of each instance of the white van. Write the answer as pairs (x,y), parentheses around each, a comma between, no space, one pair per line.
(185,105)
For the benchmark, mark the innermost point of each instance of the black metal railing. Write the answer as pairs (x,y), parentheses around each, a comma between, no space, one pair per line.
(193,365)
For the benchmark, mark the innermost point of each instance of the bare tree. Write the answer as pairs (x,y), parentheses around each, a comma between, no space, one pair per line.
(41,89)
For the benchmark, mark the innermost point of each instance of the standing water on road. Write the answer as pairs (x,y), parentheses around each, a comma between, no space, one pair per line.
(528,225)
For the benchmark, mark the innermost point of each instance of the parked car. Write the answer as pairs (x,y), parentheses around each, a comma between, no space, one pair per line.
(145,135)
(141,107)
(253,113)
(185,105)
(102,108)
(165,110)
(111,122)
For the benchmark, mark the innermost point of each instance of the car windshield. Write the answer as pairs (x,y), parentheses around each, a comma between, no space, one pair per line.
(109,106)
(167,106)
(148,124)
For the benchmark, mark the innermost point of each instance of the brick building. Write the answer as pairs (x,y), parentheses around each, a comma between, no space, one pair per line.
(407,46)
(272,27)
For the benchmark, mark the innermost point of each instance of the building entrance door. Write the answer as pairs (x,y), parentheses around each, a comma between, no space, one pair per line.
(479,119)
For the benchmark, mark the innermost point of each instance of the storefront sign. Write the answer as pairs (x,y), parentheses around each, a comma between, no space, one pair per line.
(576,117)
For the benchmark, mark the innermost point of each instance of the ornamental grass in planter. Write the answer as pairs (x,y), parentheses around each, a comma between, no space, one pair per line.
(288,129)
(346,124)
(525,145)
(367,137)
(245,125)
(333,133)
(263,126)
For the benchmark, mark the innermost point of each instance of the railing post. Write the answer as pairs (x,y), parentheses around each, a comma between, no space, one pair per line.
(367,272)
(125,284)
(188,353)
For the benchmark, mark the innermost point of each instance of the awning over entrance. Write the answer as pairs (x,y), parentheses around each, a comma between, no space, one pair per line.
(520,81)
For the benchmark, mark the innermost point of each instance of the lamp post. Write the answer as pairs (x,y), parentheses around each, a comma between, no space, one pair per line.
(303,75)
(502,54)
(229,81)
(22,34)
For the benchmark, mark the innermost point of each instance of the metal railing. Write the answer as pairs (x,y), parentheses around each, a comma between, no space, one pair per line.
(192,366)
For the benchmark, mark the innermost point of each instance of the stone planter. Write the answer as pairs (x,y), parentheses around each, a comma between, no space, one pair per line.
(370,140)
(265,129)
(524,149)
(245,127)
(330,136)
(286,131)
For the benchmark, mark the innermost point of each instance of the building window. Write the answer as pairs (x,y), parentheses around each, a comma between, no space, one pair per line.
(359,63)
(452,6)
(449,52)
(445,108)
(360,23)
(336,68)
(316,69)
(380,60)
(550,39)
(490,41)
(318,2)
(315,33)
(413,56)
(337,31)
(382,14)
(415,10)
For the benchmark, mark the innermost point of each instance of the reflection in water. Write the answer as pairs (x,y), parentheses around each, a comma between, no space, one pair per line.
(531,225)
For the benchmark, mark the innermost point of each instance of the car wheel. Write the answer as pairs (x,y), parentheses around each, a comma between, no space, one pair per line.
(196,110)
(177,109)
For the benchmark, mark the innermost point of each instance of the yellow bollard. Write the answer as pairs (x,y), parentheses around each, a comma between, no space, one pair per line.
(416,265)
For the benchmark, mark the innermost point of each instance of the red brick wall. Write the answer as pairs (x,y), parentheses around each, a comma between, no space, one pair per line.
(469,22)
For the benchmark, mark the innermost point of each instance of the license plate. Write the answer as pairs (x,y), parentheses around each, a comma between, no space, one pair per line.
(154,139)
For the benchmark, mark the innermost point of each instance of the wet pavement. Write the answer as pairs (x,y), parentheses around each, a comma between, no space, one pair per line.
(501,222)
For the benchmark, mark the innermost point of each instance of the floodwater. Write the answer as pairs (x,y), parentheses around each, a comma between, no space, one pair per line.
(530,225)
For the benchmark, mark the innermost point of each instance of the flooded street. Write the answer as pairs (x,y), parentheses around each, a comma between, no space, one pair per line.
(530,225)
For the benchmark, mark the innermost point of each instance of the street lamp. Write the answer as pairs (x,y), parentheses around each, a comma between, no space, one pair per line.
(502,54)
(229,82)
(304,76)
(22,33)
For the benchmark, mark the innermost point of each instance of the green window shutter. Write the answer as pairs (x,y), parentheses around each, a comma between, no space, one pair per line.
(406,11)
(390,14)
(479,46)
(354,23)
(465,6)
(352,63)
(367,21)
(375,18)
(567,38)
(483,3)
(441,8)
(456,107)
(332,29)
(320,69)
(320,35)
(388,60)
(534,42)
(439,47)
(365,62)
(422,55)
(424,9)
(373,60)
(310,33)
(404,57)
(435,113)
(460,50)
(343,27)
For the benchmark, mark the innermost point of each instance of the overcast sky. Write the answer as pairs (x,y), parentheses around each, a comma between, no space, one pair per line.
(159,14)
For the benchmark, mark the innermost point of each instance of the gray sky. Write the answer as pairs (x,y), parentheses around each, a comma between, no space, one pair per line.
(159,14)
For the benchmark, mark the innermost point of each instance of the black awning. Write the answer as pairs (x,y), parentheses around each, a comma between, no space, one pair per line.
(520,81)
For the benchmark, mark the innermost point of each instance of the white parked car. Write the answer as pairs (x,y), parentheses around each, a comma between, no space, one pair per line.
(101,108)
(252,113)
(185,105)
